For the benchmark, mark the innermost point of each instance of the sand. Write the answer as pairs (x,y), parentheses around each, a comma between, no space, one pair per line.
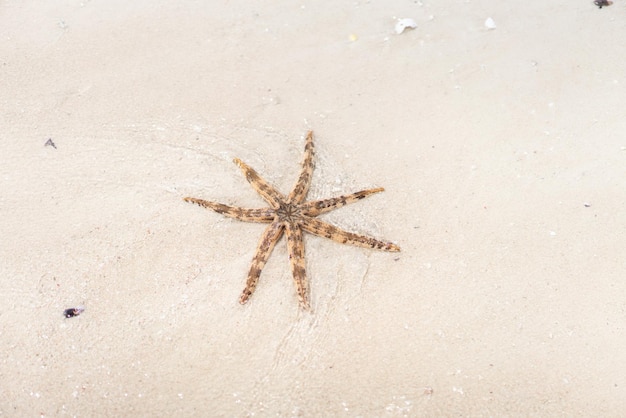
(503,156)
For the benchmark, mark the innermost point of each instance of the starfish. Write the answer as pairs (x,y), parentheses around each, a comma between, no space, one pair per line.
(292,215)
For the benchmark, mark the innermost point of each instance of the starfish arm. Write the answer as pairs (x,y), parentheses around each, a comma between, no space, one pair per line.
(301,188)
(266,190)
(318,207)
(295,245)
(323,229)
(242,214)
(269,239)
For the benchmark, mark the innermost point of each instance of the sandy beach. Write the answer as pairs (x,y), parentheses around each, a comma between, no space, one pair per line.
(500,146)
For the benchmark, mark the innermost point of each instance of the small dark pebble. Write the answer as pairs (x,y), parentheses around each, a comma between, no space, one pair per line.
(50,143)
(601,3)
(72,312)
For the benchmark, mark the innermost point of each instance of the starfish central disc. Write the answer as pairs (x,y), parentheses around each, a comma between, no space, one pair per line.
(288,212)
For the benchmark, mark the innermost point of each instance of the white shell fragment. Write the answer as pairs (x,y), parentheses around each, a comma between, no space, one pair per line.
(405,23)
(490,24)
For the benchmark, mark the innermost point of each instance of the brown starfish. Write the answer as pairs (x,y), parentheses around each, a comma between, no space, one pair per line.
(292,215)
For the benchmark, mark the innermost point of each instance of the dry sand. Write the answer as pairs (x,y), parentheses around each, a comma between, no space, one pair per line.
(503,157)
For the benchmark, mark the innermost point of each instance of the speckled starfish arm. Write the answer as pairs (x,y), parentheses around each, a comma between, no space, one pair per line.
(323,229)
(295,245)
(268,240)
(242,214)
(319,207)
(301,188)
(266,190)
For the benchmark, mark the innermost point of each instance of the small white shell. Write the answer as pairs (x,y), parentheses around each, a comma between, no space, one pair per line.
(490,24)
(402,24)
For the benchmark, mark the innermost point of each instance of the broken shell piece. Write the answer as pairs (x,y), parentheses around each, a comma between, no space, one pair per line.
(490,24)
(402,24)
